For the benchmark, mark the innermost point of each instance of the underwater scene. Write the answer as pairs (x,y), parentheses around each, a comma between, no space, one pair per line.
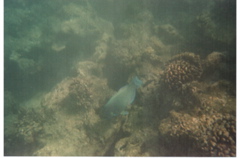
(120,78)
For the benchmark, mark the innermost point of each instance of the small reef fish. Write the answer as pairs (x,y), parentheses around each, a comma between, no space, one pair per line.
(124,97)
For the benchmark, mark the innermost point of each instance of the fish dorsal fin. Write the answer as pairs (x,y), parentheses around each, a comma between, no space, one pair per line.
(136,81)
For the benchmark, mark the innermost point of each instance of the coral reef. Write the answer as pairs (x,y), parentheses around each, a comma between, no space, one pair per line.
(142,137)
(210,28)
(214,59)
(24,131)
(181,69)
(186,105)
(36,44)
(125,55)
(168,34)
(75,103)
(216,66)
(203,136)
(222,138)
(197,120)
(82,22)
(119,64)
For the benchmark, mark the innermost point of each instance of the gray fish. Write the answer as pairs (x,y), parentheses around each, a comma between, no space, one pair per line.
(124,97)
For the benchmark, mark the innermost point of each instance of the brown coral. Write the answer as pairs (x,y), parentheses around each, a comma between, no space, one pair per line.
(221,141)
(181,69)
(210,135)
(208,126)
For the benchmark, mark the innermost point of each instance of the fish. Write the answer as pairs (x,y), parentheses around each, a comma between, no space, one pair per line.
(118,103)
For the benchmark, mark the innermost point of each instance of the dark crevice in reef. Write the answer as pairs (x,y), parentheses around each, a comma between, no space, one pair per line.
(121,134)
